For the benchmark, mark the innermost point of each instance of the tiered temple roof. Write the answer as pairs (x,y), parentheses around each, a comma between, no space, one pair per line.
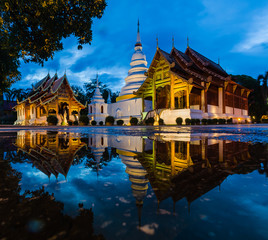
(191,67)
(46,90)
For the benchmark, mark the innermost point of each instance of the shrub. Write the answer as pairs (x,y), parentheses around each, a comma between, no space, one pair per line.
(188,121)
(149,121)
(264,120)
(93,123)
(215,121)
(179,121)
(134,121)
(210,121)
(84,119)
(222,121)
(120,122)
(109,120)
(229,121)
(161,121)
(70,122)
(52,119)
(197,121)
(101,123)
(193,121)
(204,121)
(75,123)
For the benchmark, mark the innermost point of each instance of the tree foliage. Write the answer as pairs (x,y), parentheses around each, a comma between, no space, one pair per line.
(33,30)
(258,102)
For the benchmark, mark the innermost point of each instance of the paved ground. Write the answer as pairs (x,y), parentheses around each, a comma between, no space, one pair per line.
(246,132)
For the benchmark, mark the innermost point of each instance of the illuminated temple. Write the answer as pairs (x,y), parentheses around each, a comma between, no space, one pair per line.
(49,96)
(177,84)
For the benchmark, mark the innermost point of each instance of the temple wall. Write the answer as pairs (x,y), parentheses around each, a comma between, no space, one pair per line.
(126,108)
(170,116)
(214,109)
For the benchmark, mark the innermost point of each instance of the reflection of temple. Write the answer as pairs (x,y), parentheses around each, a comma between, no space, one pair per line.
(50,152)
(189,169)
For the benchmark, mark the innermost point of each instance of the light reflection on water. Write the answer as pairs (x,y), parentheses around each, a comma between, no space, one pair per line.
(163,187)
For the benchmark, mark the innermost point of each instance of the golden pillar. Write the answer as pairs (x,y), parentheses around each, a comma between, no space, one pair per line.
(153,91)
(172,99)
(172,156)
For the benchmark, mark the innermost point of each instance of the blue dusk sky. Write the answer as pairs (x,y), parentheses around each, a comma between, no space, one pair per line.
(234,31)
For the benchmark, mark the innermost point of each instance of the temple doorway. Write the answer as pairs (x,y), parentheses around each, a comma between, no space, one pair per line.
(163,97)
(180,99)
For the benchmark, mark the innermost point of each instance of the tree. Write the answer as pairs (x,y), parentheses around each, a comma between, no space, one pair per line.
(258,98)
(33,30)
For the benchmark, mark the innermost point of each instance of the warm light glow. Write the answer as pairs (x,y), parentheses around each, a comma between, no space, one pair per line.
(239,119)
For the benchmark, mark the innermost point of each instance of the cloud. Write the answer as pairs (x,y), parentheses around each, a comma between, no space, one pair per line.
(256,38)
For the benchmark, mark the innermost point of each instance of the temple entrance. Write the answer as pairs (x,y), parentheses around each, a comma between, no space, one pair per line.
(64,112)
(180,99)
(163,97)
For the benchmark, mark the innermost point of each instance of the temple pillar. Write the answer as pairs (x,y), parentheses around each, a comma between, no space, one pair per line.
(187,98)
(220,99)
(153,93)
(172,99)
(142,100)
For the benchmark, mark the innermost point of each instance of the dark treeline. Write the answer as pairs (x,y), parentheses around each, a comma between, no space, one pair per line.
(258,98)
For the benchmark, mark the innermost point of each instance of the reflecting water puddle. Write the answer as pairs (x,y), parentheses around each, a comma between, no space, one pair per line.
(160,187)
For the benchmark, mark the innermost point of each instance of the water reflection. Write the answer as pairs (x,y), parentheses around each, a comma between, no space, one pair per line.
(174,168)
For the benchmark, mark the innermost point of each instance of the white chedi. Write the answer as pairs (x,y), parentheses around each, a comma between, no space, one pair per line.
(138,67)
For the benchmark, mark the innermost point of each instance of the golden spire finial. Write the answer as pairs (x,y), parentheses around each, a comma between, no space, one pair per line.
(172,41)
(157,42)
(187,41)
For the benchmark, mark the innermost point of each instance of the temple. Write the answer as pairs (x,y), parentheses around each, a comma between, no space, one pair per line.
(177,84)
(189,85)
(49,96)
(127,104)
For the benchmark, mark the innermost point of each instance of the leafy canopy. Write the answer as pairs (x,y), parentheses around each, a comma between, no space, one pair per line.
(33,30)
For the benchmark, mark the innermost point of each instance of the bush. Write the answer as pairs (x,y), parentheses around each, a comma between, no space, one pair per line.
(161,121)
(229,121)
(134,121)
(210,121)
(93,123)
(149,121)
(75,123)
(52,119)
(264,120)
(215,121)
(120,122)
(109,120)
(193,121)
(84,119)
(197,121)
(101,123)
(179,121)
(70,122)
(222,121)
(188,121)
(204,121)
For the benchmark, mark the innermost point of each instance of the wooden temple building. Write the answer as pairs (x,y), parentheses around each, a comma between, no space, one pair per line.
(49,96)
(189,85)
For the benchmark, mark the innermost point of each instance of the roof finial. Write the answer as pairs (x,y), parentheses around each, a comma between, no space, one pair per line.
(138,42)
(187,41)
(97,78)
(172,41)
(65,72)
(156,41)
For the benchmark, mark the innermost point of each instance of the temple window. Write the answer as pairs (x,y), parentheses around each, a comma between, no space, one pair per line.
(101,109)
